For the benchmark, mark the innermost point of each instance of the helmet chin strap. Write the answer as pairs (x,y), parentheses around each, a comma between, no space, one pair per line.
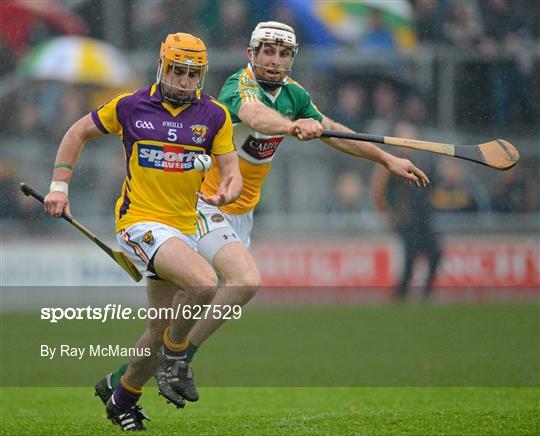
(177,102)
(269,85)
(266,84)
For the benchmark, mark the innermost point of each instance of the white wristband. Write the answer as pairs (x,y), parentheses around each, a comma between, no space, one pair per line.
(57,185)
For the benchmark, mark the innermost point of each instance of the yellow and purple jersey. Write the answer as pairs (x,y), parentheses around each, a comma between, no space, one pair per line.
(160,145)
(255,150)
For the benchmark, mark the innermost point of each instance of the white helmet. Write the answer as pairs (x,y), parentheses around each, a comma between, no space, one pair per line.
(277,33)
(273,31)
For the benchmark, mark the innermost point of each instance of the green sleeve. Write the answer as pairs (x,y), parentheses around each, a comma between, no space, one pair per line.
(230,97)
(308,109)
(236,91)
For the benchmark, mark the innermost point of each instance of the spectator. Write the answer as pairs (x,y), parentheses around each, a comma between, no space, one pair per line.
(151,24)
(14,205)
(511,193)
(463,27)
(429,20)
(386,109)
(414,110)
(506,32)
(234,19)
(351,106)
(350,202)
(349,197)
(454,191)
(411,214)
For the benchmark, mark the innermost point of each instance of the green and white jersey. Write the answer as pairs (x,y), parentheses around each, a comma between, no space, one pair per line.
(255,149)
(292,101)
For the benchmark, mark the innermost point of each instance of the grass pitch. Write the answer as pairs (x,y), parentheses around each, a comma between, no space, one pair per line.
(231,411)
(470,369)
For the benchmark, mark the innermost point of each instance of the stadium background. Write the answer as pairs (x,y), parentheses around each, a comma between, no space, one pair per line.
(460,71)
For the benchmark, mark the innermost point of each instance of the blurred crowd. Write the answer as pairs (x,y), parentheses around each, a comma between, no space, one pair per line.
(498,86)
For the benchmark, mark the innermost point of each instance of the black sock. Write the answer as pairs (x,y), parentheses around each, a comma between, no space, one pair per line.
(191,350)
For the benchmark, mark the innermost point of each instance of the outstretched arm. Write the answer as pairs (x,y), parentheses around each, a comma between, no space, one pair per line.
(400,167)
(268,121)
(70,149)
(231,184)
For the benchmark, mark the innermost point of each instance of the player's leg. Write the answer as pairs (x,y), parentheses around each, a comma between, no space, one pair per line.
(157,247)
(410,253)
(178,262)
(239,282)
(160,294)
(223,242)
(122,407)
(181,264)
(434,255)
(142,368)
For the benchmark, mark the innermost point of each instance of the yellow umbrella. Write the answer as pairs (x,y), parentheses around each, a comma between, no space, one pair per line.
(76,59)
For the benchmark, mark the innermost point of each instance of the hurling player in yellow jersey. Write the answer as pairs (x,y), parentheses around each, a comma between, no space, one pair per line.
(265,105)
(163,127)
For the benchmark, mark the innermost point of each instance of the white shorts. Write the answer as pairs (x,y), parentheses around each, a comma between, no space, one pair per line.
(216,229)
(141,241)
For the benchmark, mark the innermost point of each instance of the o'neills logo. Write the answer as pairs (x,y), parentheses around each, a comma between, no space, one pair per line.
(261,148)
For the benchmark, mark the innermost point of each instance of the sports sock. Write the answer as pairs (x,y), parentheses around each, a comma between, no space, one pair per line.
(116,375)
(126,396)
(172,348)
(191,350)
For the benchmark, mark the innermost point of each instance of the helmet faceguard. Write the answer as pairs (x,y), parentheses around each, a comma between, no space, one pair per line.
(277,35)
(181,53)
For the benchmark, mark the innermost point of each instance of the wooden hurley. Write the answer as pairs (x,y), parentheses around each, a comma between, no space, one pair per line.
(498,154)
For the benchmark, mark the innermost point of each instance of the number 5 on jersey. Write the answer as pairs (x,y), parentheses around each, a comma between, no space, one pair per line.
(171,136)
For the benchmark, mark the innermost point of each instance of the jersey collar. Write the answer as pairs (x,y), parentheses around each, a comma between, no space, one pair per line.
(155,97)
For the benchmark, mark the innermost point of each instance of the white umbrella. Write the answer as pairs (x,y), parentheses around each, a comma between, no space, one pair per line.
(76,59)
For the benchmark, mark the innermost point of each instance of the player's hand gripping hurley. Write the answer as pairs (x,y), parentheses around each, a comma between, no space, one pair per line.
(119,257)
(498,154)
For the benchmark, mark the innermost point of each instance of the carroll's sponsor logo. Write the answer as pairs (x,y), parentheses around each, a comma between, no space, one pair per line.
(167,157)
(140,124)
(261,148)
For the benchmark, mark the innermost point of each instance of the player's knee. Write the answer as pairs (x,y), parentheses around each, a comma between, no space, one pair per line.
(246,285)
(203,288)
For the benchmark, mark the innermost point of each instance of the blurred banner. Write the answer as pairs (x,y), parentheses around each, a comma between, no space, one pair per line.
(365,23)
(359,270)
(360,263)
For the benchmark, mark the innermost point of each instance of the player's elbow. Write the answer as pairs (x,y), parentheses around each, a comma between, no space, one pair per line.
(255,115)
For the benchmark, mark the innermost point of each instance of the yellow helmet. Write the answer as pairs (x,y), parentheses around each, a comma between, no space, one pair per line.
(186,51)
